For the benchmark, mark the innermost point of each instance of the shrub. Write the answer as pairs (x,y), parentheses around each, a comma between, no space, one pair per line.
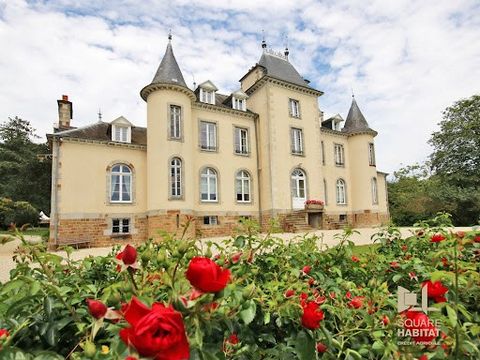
(17,212)
(262,298)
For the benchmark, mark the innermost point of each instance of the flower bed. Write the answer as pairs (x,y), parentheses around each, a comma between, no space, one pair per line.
(249,297)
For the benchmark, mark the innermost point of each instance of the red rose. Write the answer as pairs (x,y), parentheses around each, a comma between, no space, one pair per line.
(420,327)
(312,315)
(233,339)
(4,333)
(128,256)
(356,302)
(321,347)
(348,295)
(436,290)
(385,320)
(437,238)
(394,264)
(423,357)
(131,358)
(477,238)
(306,269)
(207,276)
(311,281)
(355,259)
(156,332)
(289,293)
(96,308)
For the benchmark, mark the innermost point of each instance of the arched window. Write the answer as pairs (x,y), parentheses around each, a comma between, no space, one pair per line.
(341,192)
(242,186)
(298,184)
(121,183)
(176,178)
(208,185)
(374,191)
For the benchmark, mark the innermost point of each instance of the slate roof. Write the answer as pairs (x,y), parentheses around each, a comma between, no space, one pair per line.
(356,122)
(169,72)
(102,131)
(281,69)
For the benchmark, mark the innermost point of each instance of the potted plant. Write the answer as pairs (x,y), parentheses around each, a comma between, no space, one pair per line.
(314,204)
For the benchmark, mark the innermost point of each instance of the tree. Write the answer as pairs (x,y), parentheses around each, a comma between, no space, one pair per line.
(24,176)
(456,154)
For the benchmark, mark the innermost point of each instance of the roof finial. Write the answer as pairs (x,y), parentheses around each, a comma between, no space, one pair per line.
(170,35)
(286,47)
(194,83)
(353,95)
(99,115)
(264,44)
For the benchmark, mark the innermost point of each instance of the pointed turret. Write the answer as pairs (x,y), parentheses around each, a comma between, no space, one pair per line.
(356,122)
(168,72)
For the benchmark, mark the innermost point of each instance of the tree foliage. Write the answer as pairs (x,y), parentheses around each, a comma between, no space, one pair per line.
(24,176)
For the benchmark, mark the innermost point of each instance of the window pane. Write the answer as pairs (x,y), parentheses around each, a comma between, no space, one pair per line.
(126,188)
(115,190)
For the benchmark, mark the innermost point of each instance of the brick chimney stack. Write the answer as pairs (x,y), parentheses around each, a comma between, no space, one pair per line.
(65,113)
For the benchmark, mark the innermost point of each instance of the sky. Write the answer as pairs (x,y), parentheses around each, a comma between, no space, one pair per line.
(406,61)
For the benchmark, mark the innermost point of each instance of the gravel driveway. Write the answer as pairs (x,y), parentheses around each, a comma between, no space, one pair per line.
(363,238)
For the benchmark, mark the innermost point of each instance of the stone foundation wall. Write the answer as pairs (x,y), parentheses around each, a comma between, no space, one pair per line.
(173,222)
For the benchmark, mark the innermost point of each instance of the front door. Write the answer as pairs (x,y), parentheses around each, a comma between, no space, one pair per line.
(299,189)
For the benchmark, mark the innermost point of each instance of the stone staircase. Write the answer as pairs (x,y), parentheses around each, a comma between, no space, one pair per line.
(296,221)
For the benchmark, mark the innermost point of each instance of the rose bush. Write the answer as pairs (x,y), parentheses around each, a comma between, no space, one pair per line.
(248,297)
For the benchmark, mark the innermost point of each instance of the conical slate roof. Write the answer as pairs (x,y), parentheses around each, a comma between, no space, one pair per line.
(169,72)
(355,120)
(281,69)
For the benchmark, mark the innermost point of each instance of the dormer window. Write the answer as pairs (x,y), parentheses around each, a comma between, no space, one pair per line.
(239,100)
(121,130)
(207,92)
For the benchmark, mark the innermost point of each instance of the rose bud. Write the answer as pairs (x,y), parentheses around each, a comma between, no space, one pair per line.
(394,264)
(355,259)
(306,269)
(233,339)
(404,247)
(348,295)
(128,256)
(205,275)
(477,238)
(385,320)
(236,258)
(96,308)
(321,347)
(356,302)
(289,293)
(437,238)
(332,295)
(311,281)
(4,333)
(460,234)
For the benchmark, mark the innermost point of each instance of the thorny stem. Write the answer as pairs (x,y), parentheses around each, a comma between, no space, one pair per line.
(132,279)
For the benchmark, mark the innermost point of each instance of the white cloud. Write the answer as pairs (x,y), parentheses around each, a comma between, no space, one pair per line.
(405,60)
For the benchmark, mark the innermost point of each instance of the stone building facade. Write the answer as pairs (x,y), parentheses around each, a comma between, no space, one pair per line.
(211,159)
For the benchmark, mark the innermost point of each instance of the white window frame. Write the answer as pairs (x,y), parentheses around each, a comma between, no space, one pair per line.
(341,192)
(294,108)
(298,177)
(371,154)
(176,185)
(175,129)
(121,133)
(241,141)
(122,224)
(339,154)
(243,183)
(210,177)
(239,104)
(210,143)
(211,220)
(297,141)
(122,175)
(207,96)
(374,191)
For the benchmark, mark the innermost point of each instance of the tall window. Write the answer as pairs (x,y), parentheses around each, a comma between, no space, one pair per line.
(294,108)
(374,191)
(341,192)
(323,152)
(371,154)
(242,186)
(241,141)
(176,178)
(339,155)
(298,183)
(325,191)
(208,136)
(297,141)
(121,183)
(175,122)
(208,185)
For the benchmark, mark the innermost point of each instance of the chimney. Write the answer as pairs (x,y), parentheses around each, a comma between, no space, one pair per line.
(65,113)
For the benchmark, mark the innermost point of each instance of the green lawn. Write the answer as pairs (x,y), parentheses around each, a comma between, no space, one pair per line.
(364,249)
(31,231)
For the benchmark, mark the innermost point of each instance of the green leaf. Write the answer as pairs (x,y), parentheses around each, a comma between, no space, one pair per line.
(239,241)
(11,285)
(378,346)
(397,277)
(266,318)
(248,314)
(47,306)
(452,315)
(305,346)
(35,288)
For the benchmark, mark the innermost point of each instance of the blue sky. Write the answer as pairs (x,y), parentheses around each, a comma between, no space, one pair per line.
(405,60)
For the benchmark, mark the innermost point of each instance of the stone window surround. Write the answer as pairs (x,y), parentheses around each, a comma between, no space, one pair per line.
(250,202)
(217,145)
(182,178)
(345,192)
(290,112)
(200,201)
(169,137)
(303,153)
(249,143)
(109,219)
(109,184)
